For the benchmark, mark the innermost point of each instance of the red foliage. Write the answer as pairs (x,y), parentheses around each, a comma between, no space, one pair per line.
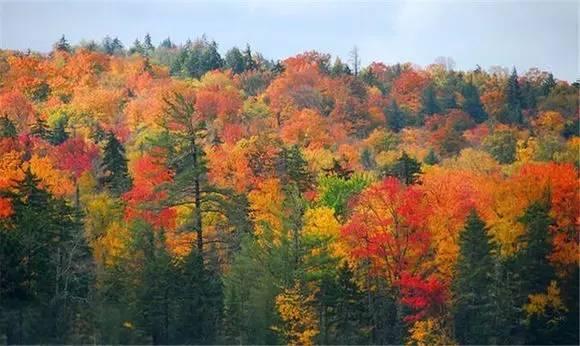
(75,155)
(388,226)
(144,199)
(424,296)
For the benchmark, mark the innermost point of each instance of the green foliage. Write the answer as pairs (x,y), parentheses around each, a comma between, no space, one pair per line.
(502,146)
(406,169)
(472,104)
(335,192)
(7,128)
(472,286)
(395,117)
(116,175)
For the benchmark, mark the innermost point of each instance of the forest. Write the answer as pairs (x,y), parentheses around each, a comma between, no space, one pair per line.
(171,195)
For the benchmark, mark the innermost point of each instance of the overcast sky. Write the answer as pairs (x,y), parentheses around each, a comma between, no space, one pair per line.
(523,34)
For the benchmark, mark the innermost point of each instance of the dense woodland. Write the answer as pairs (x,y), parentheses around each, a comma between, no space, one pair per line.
(172,195)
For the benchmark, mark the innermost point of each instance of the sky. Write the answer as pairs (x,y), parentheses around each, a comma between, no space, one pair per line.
(521,34)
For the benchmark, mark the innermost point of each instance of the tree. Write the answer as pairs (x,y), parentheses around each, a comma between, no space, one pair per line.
(7,128)
(502,146)
(473,283)
(148,47)
(235,61)
(395,117)
(40,129)
(472,104)
(431,158)
(406,169)
(429,103)
(116,175)
(58,134)
(387,230)
(63,45)
(513,113)
(45,267)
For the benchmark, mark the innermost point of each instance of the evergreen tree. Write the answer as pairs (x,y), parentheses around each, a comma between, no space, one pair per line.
(472,286)
(40,129)
(250,63)
(548,85)
(293,168)
(7,128)
(235,60)
(395,117)
(431,158)
(513,100)
(58,134)
(472,104)
(167,44)
(116,175)
(137,48)
(148,47)
(63,45)
(429,103)
(406,169)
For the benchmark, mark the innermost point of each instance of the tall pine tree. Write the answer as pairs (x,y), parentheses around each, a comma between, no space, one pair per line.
(116,175)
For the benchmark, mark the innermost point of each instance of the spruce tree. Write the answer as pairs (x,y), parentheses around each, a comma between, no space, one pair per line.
(472,286)
(7,128)
(472,103)
(58,135)
(429,103)
(513,100)
(431,158)
(116,175)
(406,169)
(40,129)
(395,117)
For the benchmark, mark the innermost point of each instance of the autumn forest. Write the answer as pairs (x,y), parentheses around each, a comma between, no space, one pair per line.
(170,194)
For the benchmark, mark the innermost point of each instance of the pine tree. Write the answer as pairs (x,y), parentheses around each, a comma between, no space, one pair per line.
(293,168)
(472,286)
(58,135)
(513,100)
(137,48)
(472,104)
(40,129)
(406,169)
(234,60)
(548,85)
(7,128)
(395,117)
(431,158)
(429,103)
(116,175)
(63,45)
(148,47)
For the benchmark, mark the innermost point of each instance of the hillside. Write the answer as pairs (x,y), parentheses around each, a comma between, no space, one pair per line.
(171,195)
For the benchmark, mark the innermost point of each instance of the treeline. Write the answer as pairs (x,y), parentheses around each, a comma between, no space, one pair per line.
(168,195)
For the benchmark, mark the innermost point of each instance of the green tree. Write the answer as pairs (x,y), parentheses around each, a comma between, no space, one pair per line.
(63,45)
(513,112)
(429,103)
(431,158)
(116,175)
(395,117)
(235,61)
(472,103)
(406,169)
(472,286)
(502,146)
(7,128)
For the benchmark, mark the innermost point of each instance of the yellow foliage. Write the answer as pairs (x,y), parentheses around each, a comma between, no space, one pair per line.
(539,303)
(429,332)
(318,159)
(299,318)
(266,206)
(56,181)
(320,222)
